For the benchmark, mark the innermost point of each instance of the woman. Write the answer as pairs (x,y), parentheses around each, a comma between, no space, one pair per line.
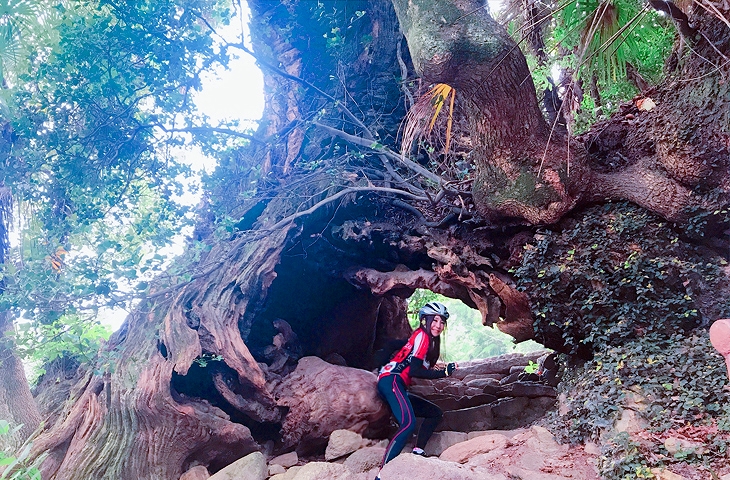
(414,360)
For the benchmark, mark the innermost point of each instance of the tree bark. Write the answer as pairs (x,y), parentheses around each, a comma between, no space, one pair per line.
(138,418)
(16,402)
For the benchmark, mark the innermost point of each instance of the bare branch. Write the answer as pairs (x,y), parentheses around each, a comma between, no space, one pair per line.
(379,148)
(289,76)
(341,194)
(224,131)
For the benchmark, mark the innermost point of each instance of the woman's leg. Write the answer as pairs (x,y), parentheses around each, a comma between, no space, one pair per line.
(393,391)
(431,415)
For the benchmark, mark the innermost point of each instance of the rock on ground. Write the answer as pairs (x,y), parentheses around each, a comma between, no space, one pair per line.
(408,467)
(365,459)
(196,473)
(286,460)
(462,452)
(341,443)
(440,441)
(250,467)
(322,398)
(322,470)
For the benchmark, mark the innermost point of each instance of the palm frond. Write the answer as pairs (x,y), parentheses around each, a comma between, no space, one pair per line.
(19,14)
(604,41)
(421,118)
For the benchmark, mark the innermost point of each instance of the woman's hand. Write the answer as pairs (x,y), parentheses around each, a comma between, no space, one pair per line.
(450,368)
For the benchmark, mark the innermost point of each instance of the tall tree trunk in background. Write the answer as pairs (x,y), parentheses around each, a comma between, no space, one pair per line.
(16,402)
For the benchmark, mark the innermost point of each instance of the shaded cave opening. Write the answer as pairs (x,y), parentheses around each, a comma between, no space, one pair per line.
(345,321)
(199,384)
(331,317)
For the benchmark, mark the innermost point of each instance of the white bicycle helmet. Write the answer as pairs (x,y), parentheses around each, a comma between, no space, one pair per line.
(433,308)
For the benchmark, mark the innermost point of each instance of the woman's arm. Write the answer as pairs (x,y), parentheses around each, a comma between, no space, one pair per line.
(419,371)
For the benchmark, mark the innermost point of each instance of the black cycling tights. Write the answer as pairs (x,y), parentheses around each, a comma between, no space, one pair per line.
(406,407)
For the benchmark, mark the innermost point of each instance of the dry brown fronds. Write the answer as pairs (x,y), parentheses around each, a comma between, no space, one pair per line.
(422,116)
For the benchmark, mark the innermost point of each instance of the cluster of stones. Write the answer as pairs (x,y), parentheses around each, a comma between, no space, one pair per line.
(498,455)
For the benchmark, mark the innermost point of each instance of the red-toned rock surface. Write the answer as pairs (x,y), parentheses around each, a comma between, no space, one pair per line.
(322,398)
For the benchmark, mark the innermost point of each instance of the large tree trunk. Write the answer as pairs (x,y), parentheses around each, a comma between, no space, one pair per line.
(524,171)
(16,402)
(142,416)
(679,153)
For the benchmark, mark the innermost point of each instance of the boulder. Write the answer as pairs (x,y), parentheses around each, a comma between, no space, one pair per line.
(365,459)
(446,402)
(676,445)
(440,441)
(196,473)
(510,407)
(275,469)
(539,439)
(527,389)
(533,454)
(482,382)
(511,378)
(286,460)
(322,398)
(461,452)
(468,419)
(321,470)
(289,475)
(250,467)
(486,376)
(341,443)
(409,467)
(506,433)
(511,413)
(500,365)
(631,422)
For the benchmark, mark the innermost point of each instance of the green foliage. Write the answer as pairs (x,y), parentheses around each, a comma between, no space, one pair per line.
(596,38)
(622,459)
(672,383)
(71,336)
(615,272)
(89,161)
(16,467)
(420,298)
(207,358)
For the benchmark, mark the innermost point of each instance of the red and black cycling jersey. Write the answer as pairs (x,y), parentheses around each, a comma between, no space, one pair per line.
(410,361)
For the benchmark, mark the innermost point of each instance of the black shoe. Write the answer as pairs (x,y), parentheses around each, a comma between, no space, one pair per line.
(419,451)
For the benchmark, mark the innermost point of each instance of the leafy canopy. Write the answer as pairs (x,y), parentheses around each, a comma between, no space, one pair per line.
(87,149)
